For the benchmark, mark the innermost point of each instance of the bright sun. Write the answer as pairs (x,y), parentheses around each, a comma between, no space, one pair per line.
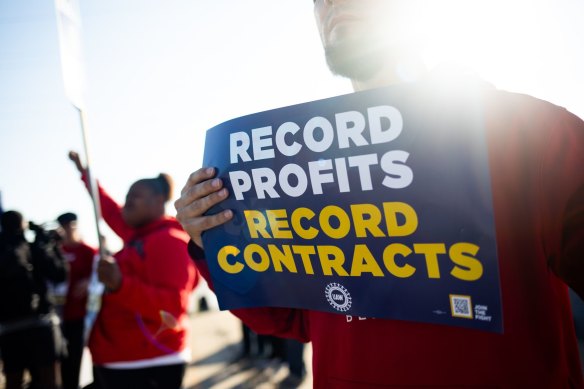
(501,40)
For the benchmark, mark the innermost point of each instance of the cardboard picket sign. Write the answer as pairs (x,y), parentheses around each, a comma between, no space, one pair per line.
(373,204)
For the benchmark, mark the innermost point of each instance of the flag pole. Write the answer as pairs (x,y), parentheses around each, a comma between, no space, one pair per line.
(69,28)
(91,181)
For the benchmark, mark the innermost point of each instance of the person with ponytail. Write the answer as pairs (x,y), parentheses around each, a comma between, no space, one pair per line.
(139,338)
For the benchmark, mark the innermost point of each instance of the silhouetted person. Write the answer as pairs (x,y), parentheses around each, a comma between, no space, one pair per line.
(30,338)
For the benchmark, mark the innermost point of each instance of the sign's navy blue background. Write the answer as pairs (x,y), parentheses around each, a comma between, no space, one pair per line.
(451,193)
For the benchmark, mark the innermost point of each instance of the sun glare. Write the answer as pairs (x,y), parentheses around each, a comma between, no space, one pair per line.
(498,39)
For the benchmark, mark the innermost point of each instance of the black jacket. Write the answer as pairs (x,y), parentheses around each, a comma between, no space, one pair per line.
(25,269)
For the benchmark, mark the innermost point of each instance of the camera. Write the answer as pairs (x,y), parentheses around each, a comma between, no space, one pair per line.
(43,235)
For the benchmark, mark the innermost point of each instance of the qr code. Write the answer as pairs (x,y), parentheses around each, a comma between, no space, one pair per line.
(461,306)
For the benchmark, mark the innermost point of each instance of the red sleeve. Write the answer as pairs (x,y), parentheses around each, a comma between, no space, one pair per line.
(169,278)
(112,213)
(283,322)
(563,200)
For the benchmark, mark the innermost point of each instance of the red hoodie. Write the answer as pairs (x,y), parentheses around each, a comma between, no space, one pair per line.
(147,316)
(536,158)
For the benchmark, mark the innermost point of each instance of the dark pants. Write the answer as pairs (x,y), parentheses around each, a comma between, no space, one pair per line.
(246,341)
(263,346)
(159,377)
(295,357)
(36,350)
(70,366)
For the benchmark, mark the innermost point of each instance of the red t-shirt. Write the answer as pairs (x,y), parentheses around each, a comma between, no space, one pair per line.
(536,160)
(80,259)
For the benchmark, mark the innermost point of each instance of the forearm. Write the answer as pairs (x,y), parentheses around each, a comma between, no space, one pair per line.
(111,211)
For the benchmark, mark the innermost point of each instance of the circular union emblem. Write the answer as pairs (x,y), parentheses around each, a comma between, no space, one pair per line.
(338,297)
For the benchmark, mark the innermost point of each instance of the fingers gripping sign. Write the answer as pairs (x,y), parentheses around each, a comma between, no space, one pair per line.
(201,192)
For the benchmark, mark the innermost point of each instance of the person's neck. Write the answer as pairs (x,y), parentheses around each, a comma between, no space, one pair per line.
(71,241)
(146,223)
(393,73)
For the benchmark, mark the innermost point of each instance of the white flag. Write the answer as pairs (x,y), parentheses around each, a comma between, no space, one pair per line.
(69,25)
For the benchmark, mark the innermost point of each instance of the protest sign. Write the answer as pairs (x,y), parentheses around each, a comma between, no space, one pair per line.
(374,204)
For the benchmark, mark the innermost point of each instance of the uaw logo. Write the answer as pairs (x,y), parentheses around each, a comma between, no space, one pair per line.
(338,297)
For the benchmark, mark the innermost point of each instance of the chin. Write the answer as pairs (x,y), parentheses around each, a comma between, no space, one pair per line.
(357,52)
(128,219)
(355,63)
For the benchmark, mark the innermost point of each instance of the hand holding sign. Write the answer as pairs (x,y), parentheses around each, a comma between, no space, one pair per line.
(200,193)
(375,204)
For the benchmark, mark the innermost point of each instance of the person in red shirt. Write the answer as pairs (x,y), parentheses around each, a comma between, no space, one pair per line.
(536,161)
(139,338)
(79,256)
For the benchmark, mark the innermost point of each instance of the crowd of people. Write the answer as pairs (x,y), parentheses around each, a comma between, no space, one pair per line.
(139,337)
(30,337)
(536,162)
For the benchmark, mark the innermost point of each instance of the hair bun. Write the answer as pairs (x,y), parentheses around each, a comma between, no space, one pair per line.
(166,184)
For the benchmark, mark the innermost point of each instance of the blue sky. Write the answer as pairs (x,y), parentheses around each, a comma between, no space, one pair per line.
(159,73)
